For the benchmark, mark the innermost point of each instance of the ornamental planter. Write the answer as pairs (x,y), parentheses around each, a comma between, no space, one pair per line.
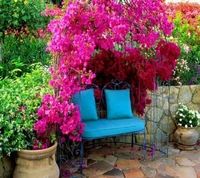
(37,163)
(186,138)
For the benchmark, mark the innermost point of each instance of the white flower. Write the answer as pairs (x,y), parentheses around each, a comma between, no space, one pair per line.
(186,48)
(189,117)
(192,112)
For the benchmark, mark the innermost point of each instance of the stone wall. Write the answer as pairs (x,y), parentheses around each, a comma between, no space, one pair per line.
(163,108)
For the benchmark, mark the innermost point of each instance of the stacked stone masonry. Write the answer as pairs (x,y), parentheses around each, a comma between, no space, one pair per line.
(164,105)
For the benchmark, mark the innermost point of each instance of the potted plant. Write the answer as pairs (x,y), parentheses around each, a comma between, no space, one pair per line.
(20,99)
(186,120)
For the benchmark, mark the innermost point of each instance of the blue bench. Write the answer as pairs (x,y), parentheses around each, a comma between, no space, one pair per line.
(109,115)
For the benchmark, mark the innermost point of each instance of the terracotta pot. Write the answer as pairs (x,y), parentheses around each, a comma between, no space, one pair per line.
(37,163)
(186,138)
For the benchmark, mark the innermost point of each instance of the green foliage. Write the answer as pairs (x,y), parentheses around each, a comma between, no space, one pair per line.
(19,53)
(20,43)
(16,14)
(186,35)
(20,99)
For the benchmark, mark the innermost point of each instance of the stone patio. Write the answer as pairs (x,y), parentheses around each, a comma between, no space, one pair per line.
(126,162)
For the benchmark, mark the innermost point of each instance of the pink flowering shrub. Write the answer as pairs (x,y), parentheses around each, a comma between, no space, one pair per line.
(94,41)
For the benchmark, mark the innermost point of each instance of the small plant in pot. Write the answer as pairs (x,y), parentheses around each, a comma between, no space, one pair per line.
(186,120)
(20,99)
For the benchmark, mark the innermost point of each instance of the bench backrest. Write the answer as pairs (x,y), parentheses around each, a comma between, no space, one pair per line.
(115,84)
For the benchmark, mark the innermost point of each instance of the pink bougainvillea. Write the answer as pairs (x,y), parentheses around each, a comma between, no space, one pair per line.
(95,41)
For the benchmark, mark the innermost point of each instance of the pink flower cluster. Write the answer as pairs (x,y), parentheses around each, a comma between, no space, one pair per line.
(90,38)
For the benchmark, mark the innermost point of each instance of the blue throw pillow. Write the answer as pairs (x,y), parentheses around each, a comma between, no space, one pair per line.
(86,101)
(118,104)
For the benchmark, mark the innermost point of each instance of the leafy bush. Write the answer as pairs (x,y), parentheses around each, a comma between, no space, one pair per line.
(16,15)
(19,53)
(20,100)
(186,20)
(20,43)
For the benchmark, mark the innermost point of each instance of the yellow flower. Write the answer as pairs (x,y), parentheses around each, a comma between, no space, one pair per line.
(25,2)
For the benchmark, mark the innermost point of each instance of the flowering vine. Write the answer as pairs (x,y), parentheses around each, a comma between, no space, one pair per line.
(95,41)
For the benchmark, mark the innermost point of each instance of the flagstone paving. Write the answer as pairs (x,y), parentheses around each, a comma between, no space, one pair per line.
(124,162)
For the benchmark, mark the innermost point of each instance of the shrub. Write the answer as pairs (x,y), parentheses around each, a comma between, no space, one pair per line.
(20,52)
(20,99)
(20,19)
(186,34)
(21,16)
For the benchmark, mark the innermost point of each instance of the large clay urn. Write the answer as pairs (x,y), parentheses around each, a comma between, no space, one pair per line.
(37,163)
(186,138)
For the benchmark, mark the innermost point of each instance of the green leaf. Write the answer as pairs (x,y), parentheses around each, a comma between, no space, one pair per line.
(15,23)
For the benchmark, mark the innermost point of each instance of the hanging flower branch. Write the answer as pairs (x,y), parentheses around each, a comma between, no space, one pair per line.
(99,40)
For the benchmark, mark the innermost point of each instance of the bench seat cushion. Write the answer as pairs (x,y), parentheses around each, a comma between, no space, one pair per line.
(105,128)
